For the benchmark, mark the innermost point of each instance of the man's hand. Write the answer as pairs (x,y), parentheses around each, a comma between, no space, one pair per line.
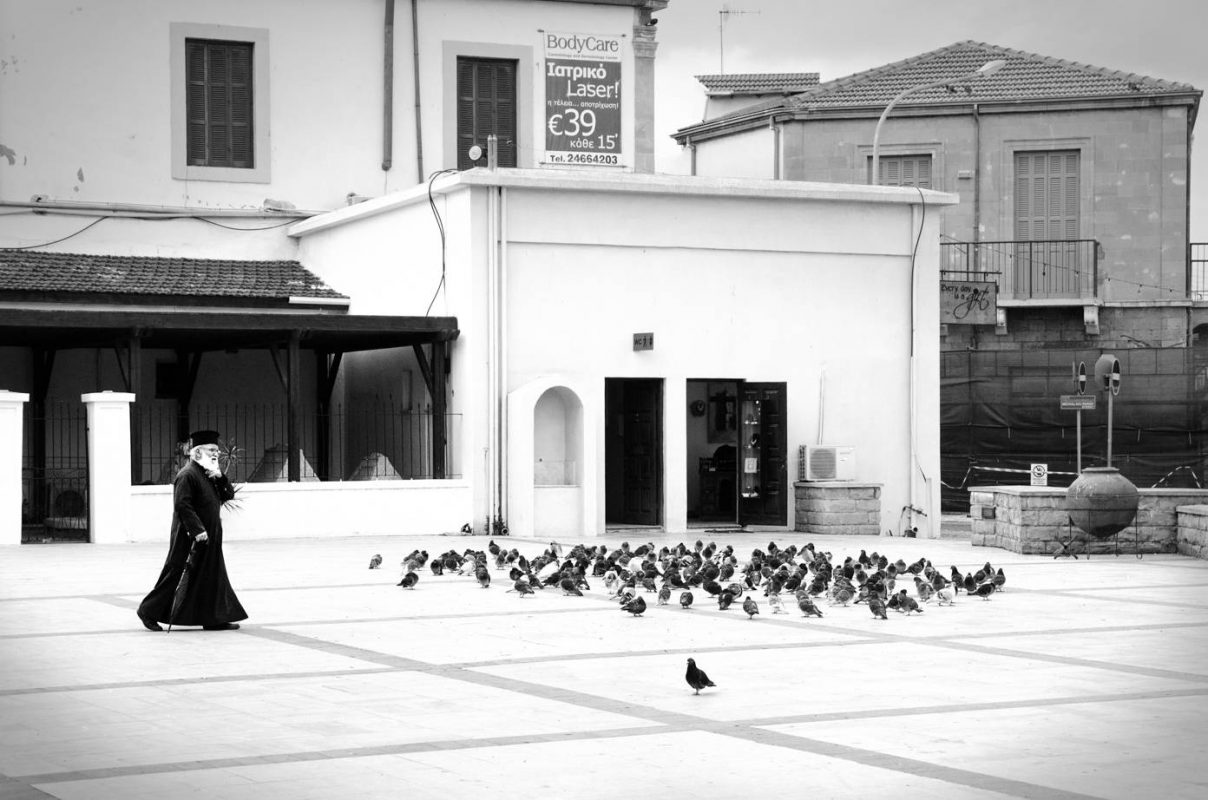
(202,537)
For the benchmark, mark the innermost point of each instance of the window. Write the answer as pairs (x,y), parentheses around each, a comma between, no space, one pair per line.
(903,171)
(486,104)
(219,104)
(1047,264)
(1047,195)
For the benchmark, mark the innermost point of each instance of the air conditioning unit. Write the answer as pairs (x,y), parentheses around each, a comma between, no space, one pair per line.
(826,463)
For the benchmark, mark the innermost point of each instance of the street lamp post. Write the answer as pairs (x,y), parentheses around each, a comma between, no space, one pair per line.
(989,68)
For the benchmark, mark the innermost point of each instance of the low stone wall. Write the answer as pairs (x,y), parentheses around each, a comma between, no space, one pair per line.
(1033,520)
(1193,531)
(842,508)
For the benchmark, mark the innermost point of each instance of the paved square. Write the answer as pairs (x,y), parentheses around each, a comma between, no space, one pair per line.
(1081,679)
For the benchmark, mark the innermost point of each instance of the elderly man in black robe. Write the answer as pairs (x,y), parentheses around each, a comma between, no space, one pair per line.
(200,489)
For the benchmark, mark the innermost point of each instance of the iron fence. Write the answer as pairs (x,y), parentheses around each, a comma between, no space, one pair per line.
(375,440)
(1028,270)
(54,472)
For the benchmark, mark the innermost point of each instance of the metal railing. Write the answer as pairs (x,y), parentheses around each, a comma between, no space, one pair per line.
(1199,270)
(1049,269)
(366,441)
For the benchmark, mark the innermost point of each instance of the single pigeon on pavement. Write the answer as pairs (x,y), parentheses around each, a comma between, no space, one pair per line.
(696,677)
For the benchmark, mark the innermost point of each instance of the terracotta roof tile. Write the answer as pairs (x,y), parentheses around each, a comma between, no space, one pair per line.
(79,273)
(1024,77)
(759,82)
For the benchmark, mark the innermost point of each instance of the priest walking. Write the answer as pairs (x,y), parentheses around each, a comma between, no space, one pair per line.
(199,491)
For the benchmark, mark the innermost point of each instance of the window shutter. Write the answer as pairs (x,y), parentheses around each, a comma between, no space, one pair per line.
(1047,195)
(905,171)
(195,102)
(486,104)
(219,104)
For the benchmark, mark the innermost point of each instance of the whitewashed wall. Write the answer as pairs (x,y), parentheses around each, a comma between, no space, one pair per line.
(758,280)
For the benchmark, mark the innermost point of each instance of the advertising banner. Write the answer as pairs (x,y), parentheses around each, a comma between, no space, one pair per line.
(582,99)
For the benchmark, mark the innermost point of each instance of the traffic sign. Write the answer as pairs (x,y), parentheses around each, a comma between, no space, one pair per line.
(1077,402)
(1081,379)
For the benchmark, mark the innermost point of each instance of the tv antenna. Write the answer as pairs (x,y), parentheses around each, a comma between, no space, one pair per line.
(724,13)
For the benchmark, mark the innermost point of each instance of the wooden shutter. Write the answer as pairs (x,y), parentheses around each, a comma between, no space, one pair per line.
(905,171)
(486,104)
(219,104)
(1047,195)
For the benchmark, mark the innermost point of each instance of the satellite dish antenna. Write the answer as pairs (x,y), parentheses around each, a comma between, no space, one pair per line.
(475,152)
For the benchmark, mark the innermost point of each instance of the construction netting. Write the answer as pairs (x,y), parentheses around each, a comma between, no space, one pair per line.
(1001,413)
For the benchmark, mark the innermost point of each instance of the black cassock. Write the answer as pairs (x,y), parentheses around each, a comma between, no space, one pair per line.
(210,600)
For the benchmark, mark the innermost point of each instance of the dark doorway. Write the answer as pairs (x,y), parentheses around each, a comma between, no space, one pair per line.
(762,454)
(633,462)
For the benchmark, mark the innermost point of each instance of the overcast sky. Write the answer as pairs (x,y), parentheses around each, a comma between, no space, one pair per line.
(1158,38)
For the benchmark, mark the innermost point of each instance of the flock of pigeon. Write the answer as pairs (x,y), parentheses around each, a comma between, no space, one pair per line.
(805,574)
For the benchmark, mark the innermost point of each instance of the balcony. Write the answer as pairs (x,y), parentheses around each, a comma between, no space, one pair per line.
(1054,271)
(1199,271)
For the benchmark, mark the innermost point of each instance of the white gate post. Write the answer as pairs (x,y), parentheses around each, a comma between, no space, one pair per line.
(11,407)
(108,466)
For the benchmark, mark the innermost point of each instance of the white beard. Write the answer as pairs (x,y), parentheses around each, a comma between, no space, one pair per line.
(209,463)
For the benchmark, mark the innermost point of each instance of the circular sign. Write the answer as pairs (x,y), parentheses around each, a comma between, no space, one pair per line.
(1040,474)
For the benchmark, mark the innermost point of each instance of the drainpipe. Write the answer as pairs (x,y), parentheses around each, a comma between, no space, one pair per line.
(388,88)
(976,186)
(775,148)
(419,127)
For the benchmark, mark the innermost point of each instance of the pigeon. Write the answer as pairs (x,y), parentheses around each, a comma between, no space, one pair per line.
(522,587)
(483,576)
(376,561)
(877,606)
(924,589)
(569,587)
(409,580)
(946,596)
(1000,580)
(776,603)
(984,591)
(696,677)
(806,604)
(686,599)
(438,567)
(635,606)
(664,595)
(724,600)
(750,607)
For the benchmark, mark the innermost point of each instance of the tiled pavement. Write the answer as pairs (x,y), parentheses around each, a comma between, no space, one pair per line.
(1082,679)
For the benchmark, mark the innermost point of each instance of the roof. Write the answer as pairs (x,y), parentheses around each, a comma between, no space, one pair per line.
(758,83)
(28,271)
(1024,77)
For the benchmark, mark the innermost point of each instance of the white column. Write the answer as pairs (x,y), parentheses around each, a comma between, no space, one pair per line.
(108,466)
(10,466)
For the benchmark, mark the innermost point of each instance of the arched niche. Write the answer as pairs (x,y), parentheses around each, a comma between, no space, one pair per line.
(557,438)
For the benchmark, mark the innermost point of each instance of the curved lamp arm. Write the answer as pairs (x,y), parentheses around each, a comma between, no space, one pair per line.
(984,70)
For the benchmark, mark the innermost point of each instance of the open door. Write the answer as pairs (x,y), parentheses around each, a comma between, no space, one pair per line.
(633,451)
(763,491)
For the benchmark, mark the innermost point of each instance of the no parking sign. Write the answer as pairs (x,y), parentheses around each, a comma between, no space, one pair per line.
(1040,474)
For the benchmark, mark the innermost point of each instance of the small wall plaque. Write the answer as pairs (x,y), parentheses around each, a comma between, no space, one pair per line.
(643,341)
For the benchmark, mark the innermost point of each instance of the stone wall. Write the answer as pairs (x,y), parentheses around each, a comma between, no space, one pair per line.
(842,508)
(1193,531)
(1033,520)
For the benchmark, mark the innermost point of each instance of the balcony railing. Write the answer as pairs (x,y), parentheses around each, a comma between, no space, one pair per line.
(1199,270)
(1050,269)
